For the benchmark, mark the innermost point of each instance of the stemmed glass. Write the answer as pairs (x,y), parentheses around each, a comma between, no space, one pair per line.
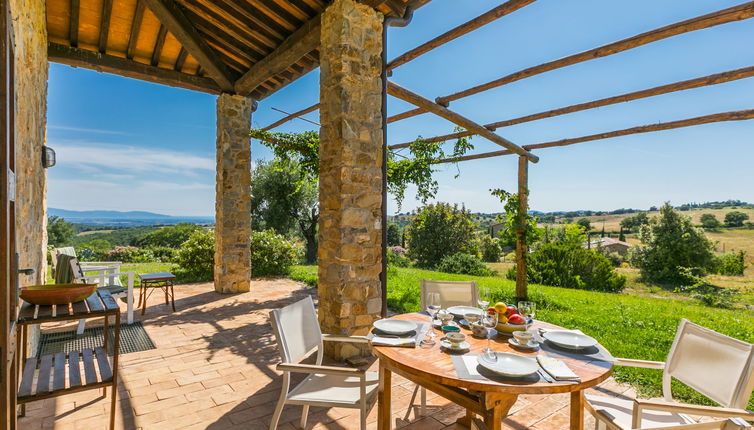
(489,321)
(432,304)
(484,298)
(528,310)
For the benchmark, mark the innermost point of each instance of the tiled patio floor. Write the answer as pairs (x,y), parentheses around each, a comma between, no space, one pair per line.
(214,368)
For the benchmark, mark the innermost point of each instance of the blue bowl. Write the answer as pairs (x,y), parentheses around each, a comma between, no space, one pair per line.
(450,329)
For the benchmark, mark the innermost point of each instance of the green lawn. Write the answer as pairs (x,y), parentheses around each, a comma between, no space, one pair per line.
(629,325)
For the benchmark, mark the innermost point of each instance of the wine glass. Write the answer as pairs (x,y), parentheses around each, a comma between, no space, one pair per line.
(484,298)
(432,305)
(489,321)
(527,309)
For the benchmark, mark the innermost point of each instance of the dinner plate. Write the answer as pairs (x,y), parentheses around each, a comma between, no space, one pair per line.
(508,364)
(395,326)
(461,311)
(569,339)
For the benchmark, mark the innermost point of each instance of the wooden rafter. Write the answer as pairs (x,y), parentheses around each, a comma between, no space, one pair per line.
(73,27)
(739,115)
(104,25)
(182,54)
(135,27)
(396,90)
(291,116)
(158,44)
(714,79)
(301,42)
(736,13)
(77,57)
(173,18)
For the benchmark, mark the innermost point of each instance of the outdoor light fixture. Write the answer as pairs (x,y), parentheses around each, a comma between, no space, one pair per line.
(48,157)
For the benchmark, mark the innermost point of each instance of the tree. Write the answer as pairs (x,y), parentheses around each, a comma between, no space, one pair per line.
(438,230)
(171,236)
(710,222)
(735,219)
(671,245)
(633,223)
(393,234)
(59,232)
(584,222)
(285,199)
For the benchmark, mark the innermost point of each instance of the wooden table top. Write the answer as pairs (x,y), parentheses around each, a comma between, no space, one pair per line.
(100,303)
(435,365)
(161,276)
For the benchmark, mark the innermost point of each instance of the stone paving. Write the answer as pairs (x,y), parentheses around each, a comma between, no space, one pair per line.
(214,368)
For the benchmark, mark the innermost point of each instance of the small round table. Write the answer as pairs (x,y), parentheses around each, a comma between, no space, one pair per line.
(434,370)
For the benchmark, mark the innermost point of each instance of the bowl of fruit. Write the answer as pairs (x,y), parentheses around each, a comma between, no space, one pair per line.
(508,318)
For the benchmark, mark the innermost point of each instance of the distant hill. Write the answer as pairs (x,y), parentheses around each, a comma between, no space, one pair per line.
(130,218)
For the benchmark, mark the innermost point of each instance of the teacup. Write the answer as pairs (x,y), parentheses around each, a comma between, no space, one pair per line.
(455,339)
(472,317)
(478,330)
(523,337)
(445,317)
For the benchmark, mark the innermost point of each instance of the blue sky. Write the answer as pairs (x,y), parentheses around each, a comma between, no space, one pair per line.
(129,145)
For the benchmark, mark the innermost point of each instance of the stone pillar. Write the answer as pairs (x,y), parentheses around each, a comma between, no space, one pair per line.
(233,194)
(350,185)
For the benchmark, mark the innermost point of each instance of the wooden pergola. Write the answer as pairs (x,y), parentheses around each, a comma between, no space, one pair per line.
(440,106)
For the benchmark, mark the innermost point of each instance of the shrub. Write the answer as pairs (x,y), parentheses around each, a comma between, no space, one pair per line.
(197,256)
(171,236)
(464,264)
(710,295)
(439,230)
(732,263)
(164,254)
(571,266)
(130,254)
(615,258)
(670,242)
(272,254)
(94,250)
(735,219)
(709,222)
(397,259)
(490,247)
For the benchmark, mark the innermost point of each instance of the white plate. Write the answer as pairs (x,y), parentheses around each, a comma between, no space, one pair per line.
(531,345)
(461,311)
(462,347)
(569,339)
(395,326)
(508,364)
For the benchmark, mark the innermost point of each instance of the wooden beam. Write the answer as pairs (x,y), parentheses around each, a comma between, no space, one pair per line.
(291,116)
(405,115)
(739,115)
(131,69)
(467,27)
(104,25)
(296,46)
(135,27)
(182,54)
(159,43)
(714,79)
(173,18)
(73,31)
(521,245)
(396,90)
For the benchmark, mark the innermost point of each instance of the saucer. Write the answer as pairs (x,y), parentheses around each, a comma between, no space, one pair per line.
(438,324)
(462,347)
(531,345)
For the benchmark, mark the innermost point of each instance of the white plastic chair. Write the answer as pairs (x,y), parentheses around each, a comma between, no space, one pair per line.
(452,293)
(717,366)
(103,280)
(298,334)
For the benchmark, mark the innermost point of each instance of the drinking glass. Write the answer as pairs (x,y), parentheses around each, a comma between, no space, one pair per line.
(484,298)
(527,309)
(489,321)
(432,304)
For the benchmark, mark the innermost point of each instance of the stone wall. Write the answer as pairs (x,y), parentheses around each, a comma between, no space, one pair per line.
(350,227)
(233,194)
(30,28)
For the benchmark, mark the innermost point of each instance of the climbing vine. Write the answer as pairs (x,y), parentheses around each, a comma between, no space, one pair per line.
(512,215)
(402,171)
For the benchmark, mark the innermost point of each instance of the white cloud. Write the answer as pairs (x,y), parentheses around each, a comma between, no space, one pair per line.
(108,156)
(86,130)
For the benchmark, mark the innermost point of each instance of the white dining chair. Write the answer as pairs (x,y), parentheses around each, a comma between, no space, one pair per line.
(452,293)
(298,334)
(717,366)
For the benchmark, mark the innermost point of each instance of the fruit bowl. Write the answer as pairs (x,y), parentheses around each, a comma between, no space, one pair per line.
(57,294)
(510,328)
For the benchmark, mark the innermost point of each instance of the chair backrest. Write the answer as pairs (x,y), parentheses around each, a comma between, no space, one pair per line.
(717,366)
(54,252)
(452,293)
(76,271)
(296,329)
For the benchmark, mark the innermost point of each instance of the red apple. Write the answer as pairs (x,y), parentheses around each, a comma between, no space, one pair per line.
(511,310)
(516,319)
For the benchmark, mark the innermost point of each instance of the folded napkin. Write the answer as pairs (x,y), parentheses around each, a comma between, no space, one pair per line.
(378,338)
(557,369)
(393,341)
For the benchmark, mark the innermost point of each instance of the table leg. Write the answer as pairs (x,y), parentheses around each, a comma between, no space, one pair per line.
(465,420)
(383,399)
(577,410)
(501,404)
(172,295)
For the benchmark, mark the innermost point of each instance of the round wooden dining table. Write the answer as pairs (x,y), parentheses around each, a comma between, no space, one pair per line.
(433,368)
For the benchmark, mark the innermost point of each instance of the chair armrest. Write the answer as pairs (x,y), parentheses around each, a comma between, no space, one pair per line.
(101,263)
(341,338)
(629,362)
(313,368)
(106,275)
(709,411)
(712,425)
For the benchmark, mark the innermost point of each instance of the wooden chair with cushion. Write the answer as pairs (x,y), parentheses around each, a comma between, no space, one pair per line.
(298,335)
(717,366)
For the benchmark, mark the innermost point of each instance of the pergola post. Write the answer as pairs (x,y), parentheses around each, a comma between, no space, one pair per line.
(521,245)
(350,226)
(233,194)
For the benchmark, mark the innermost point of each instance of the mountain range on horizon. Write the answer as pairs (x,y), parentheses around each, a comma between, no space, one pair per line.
(124,217)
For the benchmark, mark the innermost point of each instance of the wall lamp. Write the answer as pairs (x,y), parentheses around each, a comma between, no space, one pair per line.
(48,157)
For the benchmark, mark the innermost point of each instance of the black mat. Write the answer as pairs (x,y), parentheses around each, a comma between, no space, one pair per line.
(133,338)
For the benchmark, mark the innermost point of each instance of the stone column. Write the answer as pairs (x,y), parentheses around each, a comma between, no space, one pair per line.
(350,186)
(233,194)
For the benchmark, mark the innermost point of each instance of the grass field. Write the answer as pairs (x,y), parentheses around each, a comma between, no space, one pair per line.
(629,325)
(612,222)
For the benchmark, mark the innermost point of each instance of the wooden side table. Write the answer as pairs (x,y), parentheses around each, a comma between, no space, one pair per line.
(162,280)
(50,372)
